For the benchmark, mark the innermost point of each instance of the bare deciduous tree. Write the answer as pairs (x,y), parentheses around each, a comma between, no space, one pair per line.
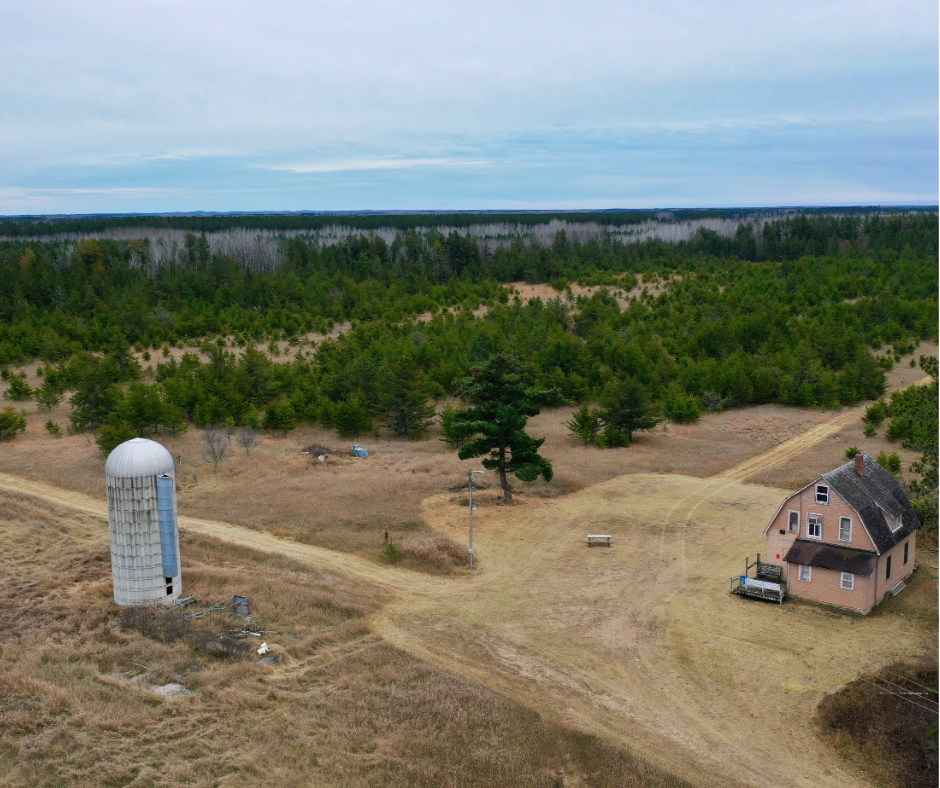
(215,445)
(248,438)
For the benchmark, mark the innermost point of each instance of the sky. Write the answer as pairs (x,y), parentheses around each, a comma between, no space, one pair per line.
(357,105)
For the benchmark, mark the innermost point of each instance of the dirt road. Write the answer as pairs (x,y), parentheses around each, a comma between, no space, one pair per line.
(641,643)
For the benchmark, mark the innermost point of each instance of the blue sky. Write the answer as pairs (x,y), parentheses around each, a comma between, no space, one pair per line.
(218,106)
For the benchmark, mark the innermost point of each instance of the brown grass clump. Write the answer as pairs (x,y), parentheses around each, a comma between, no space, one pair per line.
(340,707)
(887,722)
(434,553)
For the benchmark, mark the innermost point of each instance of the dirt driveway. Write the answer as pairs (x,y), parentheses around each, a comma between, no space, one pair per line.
(640,643)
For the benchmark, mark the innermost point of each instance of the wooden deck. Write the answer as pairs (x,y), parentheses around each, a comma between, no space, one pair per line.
(767,584)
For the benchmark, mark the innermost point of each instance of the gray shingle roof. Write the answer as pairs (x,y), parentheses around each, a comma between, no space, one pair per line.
(872,496)
(830,556)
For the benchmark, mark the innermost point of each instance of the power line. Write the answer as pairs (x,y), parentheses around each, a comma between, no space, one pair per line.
(898,675)
(913,703)
(903,689)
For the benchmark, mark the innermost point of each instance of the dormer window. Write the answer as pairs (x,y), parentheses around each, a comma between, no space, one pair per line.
(822,493)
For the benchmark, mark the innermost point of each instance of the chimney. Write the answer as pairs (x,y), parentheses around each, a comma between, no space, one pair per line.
(860,464)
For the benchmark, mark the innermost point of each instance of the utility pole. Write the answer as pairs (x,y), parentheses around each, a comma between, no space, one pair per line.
(470,490)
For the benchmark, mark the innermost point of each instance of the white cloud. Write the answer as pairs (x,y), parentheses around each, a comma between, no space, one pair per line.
(369,164)
(101,94)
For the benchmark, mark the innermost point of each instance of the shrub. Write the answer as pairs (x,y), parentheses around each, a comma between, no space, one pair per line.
(890,462)
(12,422)
(390,553)
(113,433)
(19,390)
(876,413)
(586,424)
(851,452)
(352,418)
(53,429)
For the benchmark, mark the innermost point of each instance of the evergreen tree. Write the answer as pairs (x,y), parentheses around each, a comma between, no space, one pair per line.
(627,409)
(280,417)
(494,426)
(49,394)
(352,418)
(19,389)
(405,400)
(12,422)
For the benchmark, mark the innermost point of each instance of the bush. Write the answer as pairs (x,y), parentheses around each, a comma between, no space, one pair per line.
(586,424)
(12,422)
(53,429)
(352,418)
(113,433)
(19,390)
(851,452)
(390,553)
(683,408)
(890,462)
(876,413)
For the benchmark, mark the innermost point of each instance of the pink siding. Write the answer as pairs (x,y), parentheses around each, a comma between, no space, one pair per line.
(825,586)
(830,513)
(899,571)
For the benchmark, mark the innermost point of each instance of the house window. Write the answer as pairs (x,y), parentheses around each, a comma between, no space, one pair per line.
(794,522)
(888,568)
(822,493)
(848,581)
(907,551)
(845,529)
(806,573)
(814,526)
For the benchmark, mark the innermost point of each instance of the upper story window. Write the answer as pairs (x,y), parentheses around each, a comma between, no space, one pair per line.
(845,529)
(822,493)
(793,523)
(814,526)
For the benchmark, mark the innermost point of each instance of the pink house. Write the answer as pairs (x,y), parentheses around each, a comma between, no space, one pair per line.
(846,539)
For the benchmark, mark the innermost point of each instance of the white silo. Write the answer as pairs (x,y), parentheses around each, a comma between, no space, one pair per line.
(145,551)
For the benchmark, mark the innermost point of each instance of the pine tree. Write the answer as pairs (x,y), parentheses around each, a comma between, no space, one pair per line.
(494,426)
(406,400)
(627,409)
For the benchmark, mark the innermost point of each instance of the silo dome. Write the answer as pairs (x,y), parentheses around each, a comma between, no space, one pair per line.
(145,560)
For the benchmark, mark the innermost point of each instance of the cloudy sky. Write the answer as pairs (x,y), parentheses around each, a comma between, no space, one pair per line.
(218,106)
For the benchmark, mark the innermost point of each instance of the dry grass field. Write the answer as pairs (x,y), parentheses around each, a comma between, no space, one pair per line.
(552,664)
(342,707)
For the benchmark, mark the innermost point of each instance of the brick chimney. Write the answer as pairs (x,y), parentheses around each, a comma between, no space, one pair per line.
(860,464)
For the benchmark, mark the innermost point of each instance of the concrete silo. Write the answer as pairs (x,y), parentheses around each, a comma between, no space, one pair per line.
(145,552)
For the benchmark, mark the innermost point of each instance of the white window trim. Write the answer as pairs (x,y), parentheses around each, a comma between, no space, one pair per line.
(828,493)
(809,574)
(789,519)
(847,578)
(820,518)
(840,529)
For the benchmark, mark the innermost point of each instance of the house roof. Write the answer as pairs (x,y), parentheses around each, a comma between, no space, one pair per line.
(830,556)
(874,495)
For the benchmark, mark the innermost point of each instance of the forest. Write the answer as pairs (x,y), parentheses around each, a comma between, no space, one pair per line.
(806,311)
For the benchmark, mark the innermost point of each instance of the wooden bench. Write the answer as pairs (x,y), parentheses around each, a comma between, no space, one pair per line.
(602,539)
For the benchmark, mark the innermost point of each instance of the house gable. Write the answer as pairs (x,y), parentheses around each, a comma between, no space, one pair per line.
(825,517)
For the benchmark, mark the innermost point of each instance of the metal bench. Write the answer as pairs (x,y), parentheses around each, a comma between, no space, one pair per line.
(601,539)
